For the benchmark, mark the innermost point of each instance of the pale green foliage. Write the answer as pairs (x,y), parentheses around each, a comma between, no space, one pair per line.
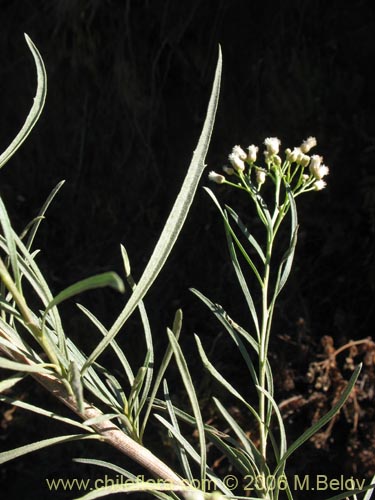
(79,379)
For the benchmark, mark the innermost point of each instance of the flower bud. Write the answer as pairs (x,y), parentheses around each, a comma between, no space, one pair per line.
(307,144)
(277,160)
(272,144)
(252,153)
(292,156)
(238,151)
(228,170)
(214,177)
(303,159)
(236,162)
(260,176)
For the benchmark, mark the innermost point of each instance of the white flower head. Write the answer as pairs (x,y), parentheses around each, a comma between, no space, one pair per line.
(236,162)
(214,177)
(319,185)
(238,151)
(228,170)
(252,153)
(317,169)
(273,145)
(307,144)
(260,176)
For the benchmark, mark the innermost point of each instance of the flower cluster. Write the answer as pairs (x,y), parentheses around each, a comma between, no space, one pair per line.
(298,170)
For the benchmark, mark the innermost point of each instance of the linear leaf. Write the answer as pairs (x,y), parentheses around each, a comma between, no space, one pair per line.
(36,108)
(153,486)
(174,222)
(7,364)
(234,236)
(251,450)
(222,441)
(122,472)
(181,451)
(322,421)
(36,223)
(10,382)
(189,386)
(117,349)
(246,233)
(287,260)
(346,494)
(42,411)
(11,244)
(6,456)
(176,329)
(242,281)
(217,375)
(98,281)
(283,445)
(191,451)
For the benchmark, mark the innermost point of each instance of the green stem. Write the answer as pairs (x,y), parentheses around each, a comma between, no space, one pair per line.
(27,316)
(264,347)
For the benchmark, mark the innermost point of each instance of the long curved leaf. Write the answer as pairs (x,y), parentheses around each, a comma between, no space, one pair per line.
(6,456)
(174,222)
(36,108)
(98,281)
(322,421)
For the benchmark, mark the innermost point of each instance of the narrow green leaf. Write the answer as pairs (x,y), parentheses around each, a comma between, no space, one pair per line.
(126,261)
(224,443)
(36,222)
(194,455)
(10,382)
(181,451)
(189,386)
(36,108)
(122,472)
(149,358)
(251,450)
(141,486)
(234,236)
(11,244)
(246,233)
(346,494)
(242,281)
(7,364)
(136,387)
(98,281)
(76,384)
(174,222)
(322,421)
(232,328)
(6,456)
(116,348)
(370,491)
(101,418)
(176,329)
(36,279)
(217,375)
(287,260)
(43,412)
(283,445)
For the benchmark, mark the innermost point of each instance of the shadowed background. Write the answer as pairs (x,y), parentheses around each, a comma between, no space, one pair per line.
(128,87)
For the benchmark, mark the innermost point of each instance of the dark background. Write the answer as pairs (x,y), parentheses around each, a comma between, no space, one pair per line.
(128,86)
